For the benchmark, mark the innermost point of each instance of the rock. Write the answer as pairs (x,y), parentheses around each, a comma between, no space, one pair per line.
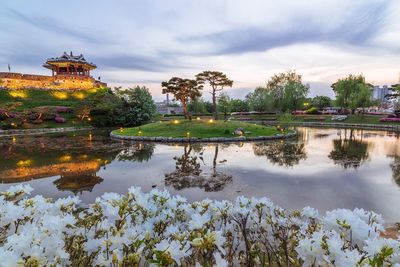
(239,131)
(59,119)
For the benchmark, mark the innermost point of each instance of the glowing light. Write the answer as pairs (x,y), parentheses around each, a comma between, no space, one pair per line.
(79,95)
(188,134)
(65,158)
(90,137)
(121,129)
(140,133)
(89,119)
(14,139)
(60,95)
(13,124)
(198,118)
(176,121)
(211,121)
(18,93)
(24,163)
(306,103)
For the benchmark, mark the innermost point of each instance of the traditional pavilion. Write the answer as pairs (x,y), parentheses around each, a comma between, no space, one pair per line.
(68,64)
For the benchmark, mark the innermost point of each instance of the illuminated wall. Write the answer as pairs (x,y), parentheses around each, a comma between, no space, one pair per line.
(25,81)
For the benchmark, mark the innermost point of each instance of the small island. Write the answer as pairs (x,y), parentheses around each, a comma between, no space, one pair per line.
(201,130)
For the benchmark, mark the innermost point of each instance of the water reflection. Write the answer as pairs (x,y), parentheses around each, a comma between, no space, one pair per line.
(283,153)
(77,183)
(323,168)
(188,172)
(349,151)
(137,152)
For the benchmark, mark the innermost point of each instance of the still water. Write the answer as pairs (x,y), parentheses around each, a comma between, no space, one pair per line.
(322,168)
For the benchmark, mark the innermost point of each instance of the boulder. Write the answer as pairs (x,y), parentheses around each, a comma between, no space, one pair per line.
(239,131)
(59,119)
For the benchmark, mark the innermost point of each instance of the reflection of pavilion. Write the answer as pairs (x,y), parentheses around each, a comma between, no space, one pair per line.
(78,183)
(22,174)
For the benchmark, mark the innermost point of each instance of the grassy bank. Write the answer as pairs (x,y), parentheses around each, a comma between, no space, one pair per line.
(30,98)
(197,128)
(28,101)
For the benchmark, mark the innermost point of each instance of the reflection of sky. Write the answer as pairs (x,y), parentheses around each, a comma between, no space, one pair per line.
(316,181)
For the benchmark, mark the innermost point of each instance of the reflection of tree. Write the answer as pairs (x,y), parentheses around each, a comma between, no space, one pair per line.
(349,152)
(189,174)
(283,153)
(395,165)
(137,152)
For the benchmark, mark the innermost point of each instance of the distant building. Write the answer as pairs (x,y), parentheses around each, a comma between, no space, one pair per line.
(381,93)
(165,107)
(68,72)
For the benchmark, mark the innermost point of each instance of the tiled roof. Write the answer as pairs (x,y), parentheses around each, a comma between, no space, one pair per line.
(70,58)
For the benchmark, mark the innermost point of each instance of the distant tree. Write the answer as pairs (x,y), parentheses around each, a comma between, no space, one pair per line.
(183,90)
(140,105)
(352,92)
(287,90)
(260,100)
(197,106)
(239,105)
(321,101)
(224,103)
(217,80)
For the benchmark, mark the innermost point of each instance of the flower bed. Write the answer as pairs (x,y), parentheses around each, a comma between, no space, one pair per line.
(154,228)
(390,120)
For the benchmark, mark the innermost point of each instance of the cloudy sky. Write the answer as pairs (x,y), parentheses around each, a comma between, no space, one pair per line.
(146,42)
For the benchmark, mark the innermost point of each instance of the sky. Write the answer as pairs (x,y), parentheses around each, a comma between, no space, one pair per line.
(147,42)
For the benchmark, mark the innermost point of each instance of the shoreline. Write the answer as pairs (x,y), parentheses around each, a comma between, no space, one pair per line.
(161,139)
(4,133)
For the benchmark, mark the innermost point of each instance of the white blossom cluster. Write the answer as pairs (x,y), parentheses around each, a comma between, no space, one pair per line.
(157,229)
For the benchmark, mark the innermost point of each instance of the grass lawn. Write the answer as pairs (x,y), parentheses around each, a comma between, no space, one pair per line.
(31,98)
(197,128)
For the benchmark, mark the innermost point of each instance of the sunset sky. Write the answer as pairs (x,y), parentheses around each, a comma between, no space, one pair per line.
(146,42)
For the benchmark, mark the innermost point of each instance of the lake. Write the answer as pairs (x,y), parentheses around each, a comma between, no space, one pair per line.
(321,168)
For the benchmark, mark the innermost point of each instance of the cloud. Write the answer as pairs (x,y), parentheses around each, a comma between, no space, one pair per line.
(53,26)
(355,29)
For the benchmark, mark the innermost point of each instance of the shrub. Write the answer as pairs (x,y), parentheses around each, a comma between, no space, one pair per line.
(164,230)
(285,118)
(390,120)
(313,111)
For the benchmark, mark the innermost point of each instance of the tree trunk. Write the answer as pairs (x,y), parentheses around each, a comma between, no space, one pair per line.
(185,112)
(214,99)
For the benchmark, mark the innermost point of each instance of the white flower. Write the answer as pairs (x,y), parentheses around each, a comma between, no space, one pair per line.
(198,221)
(174,248)
(219,261)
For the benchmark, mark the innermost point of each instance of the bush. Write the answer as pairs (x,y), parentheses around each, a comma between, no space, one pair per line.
(285,118)
(312,111)
(164,230)
(390,120)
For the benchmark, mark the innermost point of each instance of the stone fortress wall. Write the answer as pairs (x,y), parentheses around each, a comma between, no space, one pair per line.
(9,80)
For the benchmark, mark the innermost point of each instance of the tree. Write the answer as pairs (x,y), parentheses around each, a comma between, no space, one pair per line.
(183,90)
(217,81)
(352,92)
(287,90)
(260,100)
(140,105)
(239,105)
(197,106)
(321,101)
(224,103)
